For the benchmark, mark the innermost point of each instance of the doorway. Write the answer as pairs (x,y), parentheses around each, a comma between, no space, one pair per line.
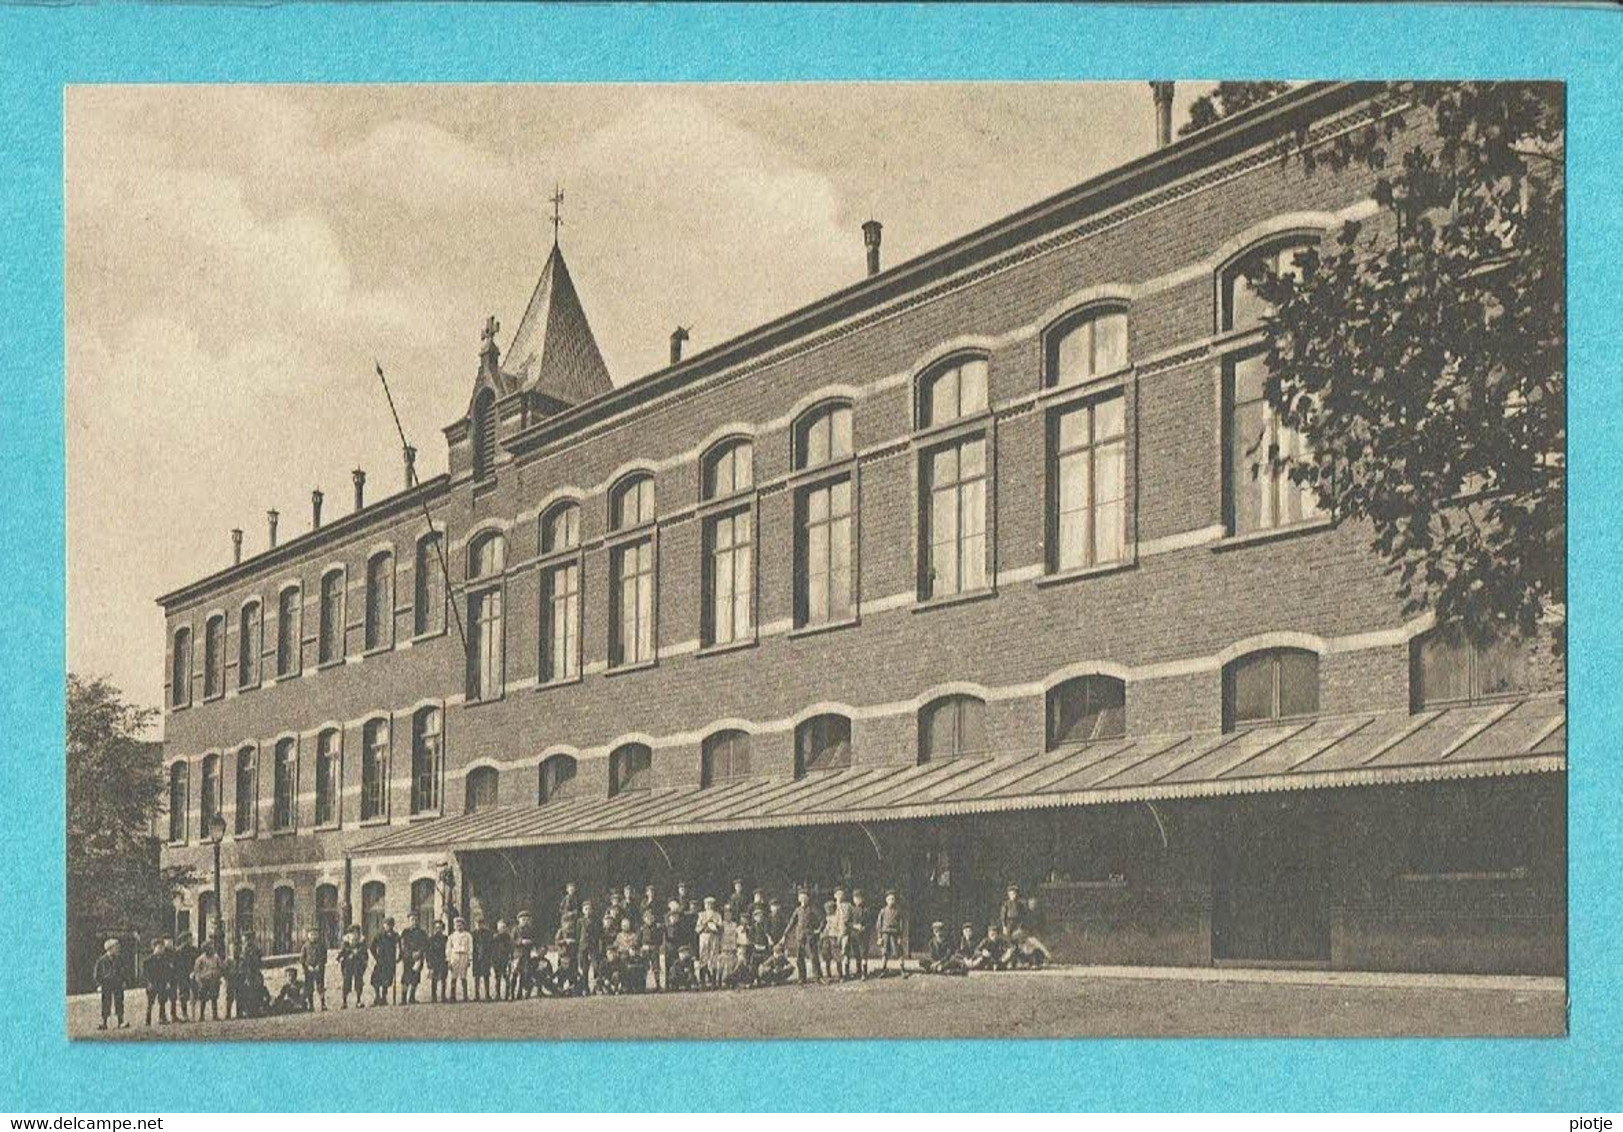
(1270,889)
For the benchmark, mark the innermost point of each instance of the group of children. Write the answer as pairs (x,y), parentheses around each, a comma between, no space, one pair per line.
(630,946)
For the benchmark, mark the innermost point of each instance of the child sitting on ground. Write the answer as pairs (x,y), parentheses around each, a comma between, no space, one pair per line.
(776,970)
(682,972)
(290,997)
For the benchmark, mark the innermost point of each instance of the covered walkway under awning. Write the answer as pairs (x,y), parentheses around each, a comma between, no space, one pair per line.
(1470,741)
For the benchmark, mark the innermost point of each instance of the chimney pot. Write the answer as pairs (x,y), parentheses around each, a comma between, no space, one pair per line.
(359,477)
(871,230)
(315,509)
(271,517)
(1163,113)
(236,546)
(411,466)
(678,336)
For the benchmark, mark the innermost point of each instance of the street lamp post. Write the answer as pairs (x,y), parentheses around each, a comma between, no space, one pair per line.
(216,835)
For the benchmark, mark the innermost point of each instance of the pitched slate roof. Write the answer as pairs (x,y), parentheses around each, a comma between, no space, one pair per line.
(553,350)
(1467,741)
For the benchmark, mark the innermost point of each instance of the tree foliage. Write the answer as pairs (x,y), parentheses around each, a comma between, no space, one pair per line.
(1228,98)
(1422,353)
(115,795)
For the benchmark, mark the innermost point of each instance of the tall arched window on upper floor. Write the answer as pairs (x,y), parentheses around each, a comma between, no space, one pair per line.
(428,585)
(630,769)
(484,434)
(1086,708)
(822,742)
(727,479)
(250,643)
(631,571)
(953,727)
(555,779)
(179,789)
(379,601)
(560,593)
(1087,441)
(375,770)
(481,789)
(1259,448)
(285,785)
(180,668)
(289,632)
(427,759)
(247,792)
(214,657)
(1448,667)
(329,776)
(955,554)
(210,794)
(724,757)
(330,631)
(1270,686)
(487,638)
(825,516)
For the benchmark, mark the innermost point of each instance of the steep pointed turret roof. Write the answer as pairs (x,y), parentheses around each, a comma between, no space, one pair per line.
(553,350)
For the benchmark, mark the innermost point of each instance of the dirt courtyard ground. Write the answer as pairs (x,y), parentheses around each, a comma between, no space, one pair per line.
(1059,1003)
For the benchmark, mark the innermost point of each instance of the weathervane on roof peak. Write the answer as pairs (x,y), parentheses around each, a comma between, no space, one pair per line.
(557,200)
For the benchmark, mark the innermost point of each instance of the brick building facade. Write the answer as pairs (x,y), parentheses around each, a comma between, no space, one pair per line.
(961,575)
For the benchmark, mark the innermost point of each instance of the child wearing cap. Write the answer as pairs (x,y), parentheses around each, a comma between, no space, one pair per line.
(800,934)
(459,957)
(290,996)
(1012,915)
(110,980)
(434,958)
(207,972)
(994,952)
(313,961)
(633,970)
(775,970)
(651,942)
(890,926)
(156,970)
(352,966)
(831,939)
(858,925)
(942,954)
(708,925)
(680,972)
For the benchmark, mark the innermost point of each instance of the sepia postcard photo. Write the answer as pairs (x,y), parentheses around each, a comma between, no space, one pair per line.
(816,560)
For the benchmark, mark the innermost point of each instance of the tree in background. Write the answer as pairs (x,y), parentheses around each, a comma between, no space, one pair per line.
(115,798)
(1422,353)
(1228,98)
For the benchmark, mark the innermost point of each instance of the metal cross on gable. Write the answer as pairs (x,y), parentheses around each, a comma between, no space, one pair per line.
(557,200)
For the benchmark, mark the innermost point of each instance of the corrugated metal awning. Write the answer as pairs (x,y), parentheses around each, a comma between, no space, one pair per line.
(1469,741)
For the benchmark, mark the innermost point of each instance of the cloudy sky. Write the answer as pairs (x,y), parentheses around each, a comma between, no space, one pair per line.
(237,256)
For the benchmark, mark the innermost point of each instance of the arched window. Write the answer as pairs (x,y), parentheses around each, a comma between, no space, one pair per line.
(630,768)
(1086,346)
(428,584)
(484,434)
(823,436)
(729,468)
(289,647)
(330,634)
(179,788)
(822,742)
(954,553)
(825,518)
(487,641)
(427,760)
(631,569)
(560,593)
(422,901)
(375,770)
(729,545)
(557,780)
(282,925)
(951,391)
(725,757)
(328,922)
(1271,685)
(284,785)
(952,727)
(247,792)
(481,789)
(210,796)
(245,927)
(380,600)
(1446,666)
(180,668)
(1241,307)
(250,643)
(1087,483)
(329,774)
(372,908)
(214,657)
(1086,708)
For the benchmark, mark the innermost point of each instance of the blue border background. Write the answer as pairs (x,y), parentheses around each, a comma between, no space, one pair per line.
(42,49)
